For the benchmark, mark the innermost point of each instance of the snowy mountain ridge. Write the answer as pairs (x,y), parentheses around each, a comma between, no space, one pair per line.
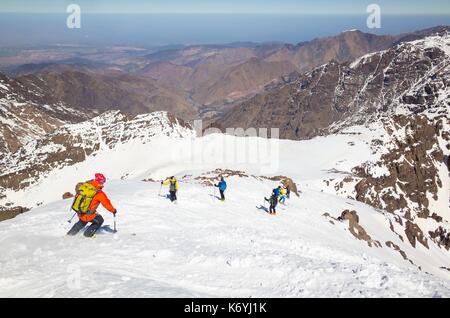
(411,78)
(27,114)
(74,143)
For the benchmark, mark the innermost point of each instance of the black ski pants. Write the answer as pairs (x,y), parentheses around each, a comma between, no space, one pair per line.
(91,230)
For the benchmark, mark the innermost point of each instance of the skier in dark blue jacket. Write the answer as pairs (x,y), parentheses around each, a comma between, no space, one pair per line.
(222,187)
(277,192)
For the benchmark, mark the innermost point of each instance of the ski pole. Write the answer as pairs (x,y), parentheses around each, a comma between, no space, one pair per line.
(160,189)
(70,221)
(115,229)
(71,208)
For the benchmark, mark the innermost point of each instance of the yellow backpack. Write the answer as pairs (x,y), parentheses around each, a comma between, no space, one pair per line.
(86,192)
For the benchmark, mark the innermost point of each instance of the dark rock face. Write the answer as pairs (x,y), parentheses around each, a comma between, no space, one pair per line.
(286,182)
(414,233)
(448,163)
(350,215)
(67,195)
(356,229)
(411,166)
(441,237)
(10,213)
(398,249)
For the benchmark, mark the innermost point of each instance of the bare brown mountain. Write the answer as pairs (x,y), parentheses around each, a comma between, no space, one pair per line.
(107,89)
(243,80)
(342,47)
(220,75)
(168,74)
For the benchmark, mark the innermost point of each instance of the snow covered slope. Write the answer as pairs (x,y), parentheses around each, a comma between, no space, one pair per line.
(202,247)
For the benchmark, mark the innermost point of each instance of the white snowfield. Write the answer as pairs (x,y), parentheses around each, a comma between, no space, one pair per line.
(201,247)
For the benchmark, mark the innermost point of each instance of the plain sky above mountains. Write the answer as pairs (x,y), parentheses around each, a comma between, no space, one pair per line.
(230,6)
(163,22)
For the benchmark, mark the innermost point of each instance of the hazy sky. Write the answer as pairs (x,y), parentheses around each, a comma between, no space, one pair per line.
(230,6)
(188,22)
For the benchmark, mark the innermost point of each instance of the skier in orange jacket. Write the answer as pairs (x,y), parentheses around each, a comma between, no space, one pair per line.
(92,216)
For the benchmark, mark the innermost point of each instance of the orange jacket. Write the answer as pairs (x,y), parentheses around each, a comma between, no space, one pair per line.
(100,197)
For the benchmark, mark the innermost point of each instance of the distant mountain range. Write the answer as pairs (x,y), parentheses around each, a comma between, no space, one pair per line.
(194,81)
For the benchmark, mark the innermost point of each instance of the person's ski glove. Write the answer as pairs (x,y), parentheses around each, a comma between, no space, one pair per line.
(115,212)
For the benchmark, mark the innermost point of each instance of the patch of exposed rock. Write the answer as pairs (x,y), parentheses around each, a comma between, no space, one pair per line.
(441,237)
(411,174)
(398,249)
(286,182)
(10,213)
(414,233)
(67,195)
(211,178)
(356,229)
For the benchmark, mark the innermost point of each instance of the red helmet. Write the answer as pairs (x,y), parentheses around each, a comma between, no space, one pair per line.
(100,178)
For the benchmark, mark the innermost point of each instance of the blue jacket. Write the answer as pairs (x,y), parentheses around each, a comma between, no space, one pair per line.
(277,192)
(222,186)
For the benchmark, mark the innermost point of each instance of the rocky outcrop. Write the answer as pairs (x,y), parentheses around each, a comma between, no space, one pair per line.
(356,229)
(407,178)
(411,173)
(67,195)
(330,218)
(10,213)
(211,178)
(286,182)
(442,237)
(414,233)
(397,248)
